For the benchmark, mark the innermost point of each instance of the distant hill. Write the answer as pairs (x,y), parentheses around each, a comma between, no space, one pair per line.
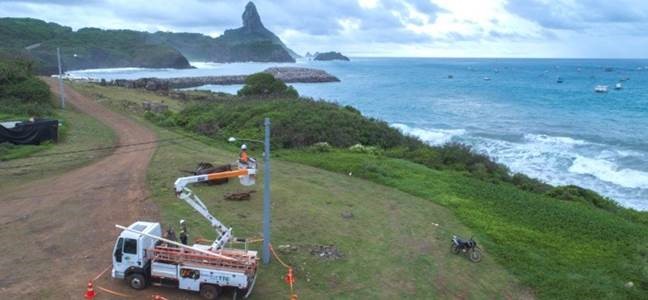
(86,48)
(90,48)
(330,56)
(251,42)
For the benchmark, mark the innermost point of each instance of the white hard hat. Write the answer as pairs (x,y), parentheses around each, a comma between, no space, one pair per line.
(244,147)
(182,221)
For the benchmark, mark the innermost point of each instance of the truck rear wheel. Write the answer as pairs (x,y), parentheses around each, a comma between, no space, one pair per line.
(209,292)
(137,281)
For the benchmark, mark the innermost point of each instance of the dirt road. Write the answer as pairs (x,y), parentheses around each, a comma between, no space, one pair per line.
(57,233)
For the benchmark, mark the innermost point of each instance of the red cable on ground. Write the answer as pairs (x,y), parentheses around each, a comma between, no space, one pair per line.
(290,277)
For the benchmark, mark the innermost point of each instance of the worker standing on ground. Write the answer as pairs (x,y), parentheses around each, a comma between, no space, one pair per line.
(243,156)
(171,235)
(183,232)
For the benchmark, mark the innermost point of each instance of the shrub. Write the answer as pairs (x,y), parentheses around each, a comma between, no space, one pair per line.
(359,148)
(321,147)
(264,84)
(21,93)
(579,194)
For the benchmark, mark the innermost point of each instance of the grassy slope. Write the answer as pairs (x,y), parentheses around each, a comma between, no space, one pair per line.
(391,247)
(561,249)
(81,132)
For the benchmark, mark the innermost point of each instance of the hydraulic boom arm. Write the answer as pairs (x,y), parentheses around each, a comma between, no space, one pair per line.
(184,193)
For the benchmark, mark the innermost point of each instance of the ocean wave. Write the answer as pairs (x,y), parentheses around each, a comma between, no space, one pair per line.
(434,137)
(205,64)
(110,70)
(608,171)
(556,140)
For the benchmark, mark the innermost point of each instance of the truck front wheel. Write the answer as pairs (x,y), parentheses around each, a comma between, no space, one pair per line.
(209,292)
(137,281)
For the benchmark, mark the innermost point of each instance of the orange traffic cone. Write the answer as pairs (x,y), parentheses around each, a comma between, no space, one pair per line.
(290,278)
(90,293)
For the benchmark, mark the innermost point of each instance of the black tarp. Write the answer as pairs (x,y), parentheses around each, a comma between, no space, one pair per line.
(30,133)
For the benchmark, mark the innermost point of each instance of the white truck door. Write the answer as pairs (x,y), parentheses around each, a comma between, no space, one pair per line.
(130,257)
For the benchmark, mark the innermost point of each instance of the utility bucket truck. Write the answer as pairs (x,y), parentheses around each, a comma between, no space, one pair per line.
(142,257)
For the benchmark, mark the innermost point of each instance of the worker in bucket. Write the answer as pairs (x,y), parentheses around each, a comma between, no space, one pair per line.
(243,156)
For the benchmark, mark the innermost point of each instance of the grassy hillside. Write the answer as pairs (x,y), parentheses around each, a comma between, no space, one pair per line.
(390,247)
(21,93)
(85,48)
(560,248)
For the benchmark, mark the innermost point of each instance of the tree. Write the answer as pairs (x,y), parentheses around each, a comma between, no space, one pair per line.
(264,84)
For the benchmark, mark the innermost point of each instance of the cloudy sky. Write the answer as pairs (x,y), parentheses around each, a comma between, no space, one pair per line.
(437,28)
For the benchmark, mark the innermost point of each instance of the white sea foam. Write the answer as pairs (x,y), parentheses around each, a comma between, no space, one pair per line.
(555,140)
(564,160)
(430,136)
(608,171)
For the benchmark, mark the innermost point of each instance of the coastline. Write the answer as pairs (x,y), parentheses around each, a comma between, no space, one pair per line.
(559,133)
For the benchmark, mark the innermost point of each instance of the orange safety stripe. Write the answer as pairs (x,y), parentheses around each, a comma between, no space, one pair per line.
(227,174)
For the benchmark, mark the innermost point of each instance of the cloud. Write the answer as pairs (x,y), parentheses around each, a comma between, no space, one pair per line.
(572,15)
(380,27)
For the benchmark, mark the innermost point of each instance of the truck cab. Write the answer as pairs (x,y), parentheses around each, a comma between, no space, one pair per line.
(130,260)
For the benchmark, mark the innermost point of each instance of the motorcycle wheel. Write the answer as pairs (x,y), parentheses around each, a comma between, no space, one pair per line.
(454,248)
(475,255)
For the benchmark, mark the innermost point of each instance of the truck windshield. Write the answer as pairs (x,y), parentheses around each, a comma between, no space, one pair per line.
(130,246)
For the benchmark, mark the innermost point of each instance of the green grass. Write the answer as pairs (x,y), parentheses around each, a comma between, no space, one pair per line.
(10,151)
(391,247)
(561,249)
(79,132)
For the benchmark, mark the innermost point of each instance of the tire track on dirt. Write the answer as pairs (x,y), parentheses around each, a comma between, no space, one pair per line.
(58,232)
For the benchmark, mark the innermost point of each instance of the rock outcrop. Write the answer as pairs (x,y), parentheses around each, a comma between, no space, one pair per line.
(331,56)
(285,74)
(251,42)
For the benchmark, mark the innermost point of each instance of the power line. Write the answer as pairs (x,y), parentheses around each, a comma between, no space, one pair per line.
(113,147)
(87,150)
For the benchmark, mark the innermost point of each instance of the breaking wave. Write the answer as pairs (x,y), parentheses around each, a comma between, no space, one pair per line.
(434,137)
(610,172)
(558,160)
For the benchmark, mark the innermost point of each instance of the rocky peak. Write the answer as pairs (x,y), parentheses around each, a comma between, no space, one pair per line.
(251,18)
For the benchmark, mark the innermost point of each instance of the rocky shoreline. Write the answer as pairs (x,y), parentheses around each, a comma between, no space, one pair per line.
(286,74)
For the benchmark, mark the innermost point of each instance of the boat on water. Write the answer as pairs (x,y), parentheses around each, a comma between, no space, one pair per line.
(618,86)
(487,78)
(450,76)
(559,80)
(601,88)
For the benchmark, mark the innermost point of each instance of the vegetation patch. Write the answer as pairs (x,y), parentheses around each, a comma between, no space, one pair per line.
(21,93)
(563,249)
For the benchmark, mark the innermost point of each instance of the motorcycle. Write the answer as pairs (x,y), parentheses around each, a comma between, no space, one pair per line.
(467,247)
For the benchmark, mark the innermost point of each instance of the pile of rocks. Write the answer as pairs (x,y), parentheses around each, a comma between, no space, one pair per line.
(329,252)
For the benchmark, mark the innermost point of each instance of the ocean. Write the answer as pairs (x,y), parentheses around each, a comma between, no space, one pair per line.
(513,110)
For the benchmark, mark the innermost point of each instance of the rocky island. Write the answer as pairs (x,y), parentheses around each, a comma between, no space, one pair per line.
(286,74)
(330,56)
(251,42)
